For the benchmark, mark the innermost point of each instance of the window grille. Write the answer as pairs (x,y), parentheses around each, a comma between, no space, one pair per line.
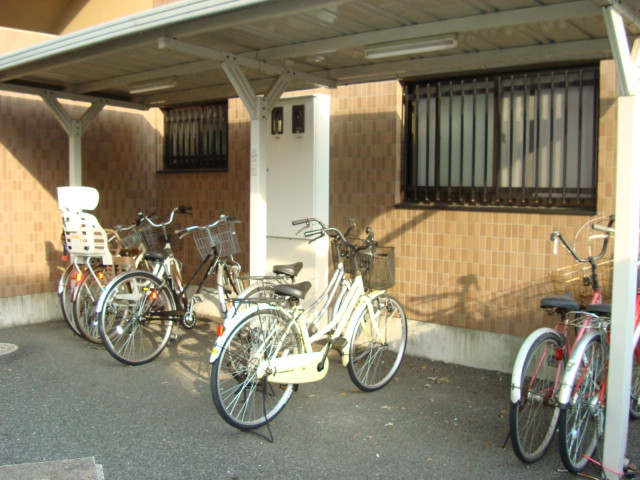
(512,140)
(196,138)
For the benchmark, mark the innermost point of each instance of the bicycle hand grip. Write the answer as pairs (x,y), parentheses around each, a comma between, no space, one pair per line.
(185,210)
(301,221)
(313,233)
(602,228)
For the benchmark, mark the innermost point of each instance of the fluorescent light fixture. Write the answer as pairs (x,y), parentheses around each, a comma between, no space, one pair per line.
(153,85)
(396,49)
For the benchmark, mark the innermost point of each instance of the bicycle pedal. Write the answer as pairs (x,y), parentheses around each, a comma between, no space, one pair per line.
(174,337)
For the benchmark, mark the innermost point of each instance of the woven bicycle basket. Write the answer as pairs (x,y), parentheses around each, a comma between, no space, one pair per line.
(222,236)
(576,279)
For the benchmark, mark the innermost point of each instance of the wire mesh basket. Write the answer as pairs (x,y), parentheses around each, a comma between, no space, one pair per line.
(155,238)
(222,236)
(378,267)
(130,238)
(576,278)
(376,264)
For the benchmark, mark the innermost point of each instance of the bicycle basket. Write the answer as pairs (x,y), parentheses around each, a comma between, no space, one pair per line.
(341,253)
(154,238)
(222,236)
(378,267)
(130,238)
(576,279)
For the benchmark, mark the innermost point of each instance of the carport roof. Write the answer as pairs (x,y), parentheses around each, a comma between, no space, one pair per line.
(176,54)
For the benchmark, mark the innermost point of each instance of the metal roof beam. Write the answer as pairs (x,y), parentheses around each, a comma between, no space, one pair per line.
(170,44)
(523,16)
(29,90)
(508,57)
(625,68)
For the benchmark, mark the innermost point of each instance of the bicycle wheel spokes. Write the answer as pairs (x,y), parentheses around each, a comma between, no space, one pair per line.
(581,420)
(132,326)
(634,405)
(378,345)
(242,395)
(533,419)
(84,305)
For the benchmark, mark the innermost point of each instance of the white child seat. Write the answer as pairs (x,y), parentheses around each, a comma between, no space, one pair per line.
(84,236)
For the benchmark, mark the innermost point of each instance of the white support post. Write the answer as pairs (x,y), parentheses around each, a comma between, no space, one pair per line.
(625,251)
(258,108)
(74,128)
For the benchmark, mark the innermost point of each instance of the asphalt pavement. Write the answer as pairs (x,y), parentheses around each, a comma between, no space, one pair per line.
(69,411)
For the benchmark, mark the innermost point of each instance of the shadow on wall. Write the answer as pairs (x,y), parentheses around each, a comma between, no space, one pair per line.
(467,306)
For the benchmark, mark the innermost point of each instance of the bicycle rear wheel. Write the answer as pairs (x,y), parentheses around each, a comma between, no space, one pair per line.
(581,418)
(66,287)
(378,344)
(533,419)
(241,392)
(133,321)
(85,300)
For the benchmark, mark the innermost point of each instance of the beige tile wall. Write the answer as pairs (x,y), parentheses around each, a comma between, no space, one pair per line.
(477,270)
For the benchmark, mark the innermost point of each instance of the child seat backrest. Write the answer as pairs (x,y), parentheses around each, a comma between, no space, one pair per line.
(84,236)
(77,199)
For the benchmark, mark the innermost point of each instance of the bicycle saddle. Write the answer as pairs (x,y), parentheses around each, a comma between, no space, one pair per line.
(296,290)
(290,270)
(561,302)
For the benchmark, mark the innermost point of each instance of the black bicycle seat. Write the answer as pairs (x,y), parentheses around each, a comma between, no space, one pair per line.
(296,290)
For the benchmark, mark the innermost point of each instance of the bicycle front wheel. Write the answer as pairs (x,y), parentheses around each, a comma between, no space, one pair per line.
(241,391)
(85,300)
(378,344)
(581,418)
(134,321)
(533,420)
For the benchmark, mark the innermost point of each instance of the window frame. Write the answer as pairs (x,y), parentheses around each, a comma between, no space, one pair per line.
(205,145)
(433,193)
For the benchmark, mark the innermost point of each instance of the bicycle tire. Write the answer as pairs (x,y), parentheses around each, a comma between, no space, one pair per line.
(127,329)
(244,399)
(534,418)
(85,299)
(66,288)
(578,432)
(634,401)
(373,361)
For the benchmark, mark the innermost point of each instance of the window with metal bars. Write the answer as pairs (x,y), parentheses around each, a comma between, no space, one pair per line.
(195,138)
(519,141)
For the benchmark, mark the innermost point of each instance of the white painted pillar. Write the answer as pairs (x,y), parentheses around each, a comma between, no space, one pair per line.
(624,283)
(258,198)
(75,128)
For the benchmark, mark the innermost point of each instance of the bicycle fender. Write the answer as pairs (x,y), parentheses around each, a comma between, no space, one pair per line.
(353,322)
(516,377)
(230,324)
(571,371)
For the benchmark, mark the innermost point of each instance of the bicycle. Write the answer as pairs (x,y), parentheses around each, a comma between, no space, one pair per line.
(582,396)
(266,351)
(127,253)
(540,363)
(138,309)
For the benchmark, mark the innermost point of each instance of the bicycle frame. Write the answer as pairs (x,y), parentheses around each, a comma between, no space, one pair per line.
(299,368)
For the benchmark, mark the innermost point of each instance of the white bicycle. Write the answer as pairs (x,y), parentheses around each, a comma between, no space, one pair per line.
(267,349)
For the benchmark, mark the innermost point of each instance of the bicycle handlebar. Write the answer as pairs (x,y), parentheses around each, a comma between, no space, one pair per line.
(223,218)
(334,232)
(608,230)
(181,209)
